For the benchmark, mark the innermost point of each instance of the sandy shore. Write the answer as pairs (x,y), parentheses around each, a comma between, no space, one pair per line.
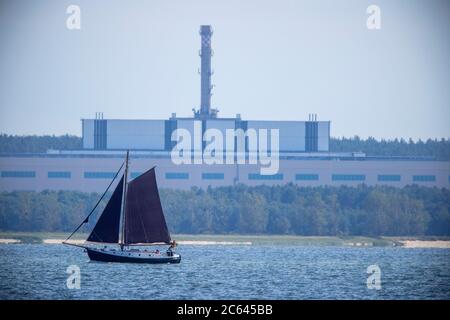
(209,243)
(201,243)
(60,241)
(406,243)
(7,241)
(214,240)
(425,244)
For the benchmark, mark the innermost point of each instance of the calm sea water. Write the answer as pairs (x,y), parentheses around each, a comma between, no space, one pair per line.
(31,271)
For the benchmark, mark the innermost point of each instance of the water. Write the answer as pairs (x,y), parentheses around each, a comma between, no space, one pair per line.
(32,271)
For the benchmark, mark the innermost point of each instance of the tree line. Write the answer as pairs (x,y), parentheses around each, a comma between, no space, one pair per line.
(439,149)
(38,144)
(240,209)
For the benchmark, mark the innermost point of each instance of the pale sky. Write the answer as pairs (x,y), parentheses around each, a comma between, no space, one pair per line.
(278,60)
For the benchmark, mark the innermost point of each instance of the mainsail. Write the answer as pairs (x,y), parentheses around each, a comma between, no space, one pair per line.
(144,218)
(107,227)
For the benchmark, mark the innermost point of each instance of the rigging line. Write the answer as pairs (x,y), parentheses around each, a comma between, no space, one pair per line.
(98,202)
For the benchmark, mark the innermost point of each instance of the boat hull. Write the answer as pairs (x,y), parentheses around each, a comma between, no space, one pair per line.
(105,256)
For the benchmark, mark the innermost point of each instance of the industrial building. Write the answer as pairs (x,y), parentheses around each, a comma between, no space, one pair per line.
(304,156)
(92,171)
(155,135)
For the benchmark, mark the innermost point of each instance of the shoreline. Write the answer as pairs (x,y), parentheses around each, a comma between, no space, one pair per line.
(444,244)
(247,240)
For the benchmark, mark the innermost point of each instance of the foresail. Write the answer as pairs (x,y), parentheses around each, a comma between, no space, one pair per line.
(107,228)
(144,217)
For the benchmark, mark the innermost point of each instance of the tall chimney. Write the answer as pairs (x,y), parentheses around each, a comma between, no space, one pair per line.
(205,54)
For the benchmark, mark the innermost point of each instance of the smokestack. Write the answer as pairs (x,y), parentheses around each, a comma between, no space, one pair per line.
(205,54)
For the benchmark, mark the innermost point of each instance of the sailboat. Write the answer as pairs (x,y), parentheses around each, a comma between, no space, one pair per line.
(131,224)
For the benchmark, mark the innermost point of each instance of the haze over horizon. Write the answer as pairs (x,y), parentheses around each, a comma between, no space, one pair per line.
(273,61)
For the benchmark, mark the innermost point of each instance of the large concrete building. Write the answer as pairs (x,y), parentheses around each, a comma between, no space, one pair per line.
(92,171)
(155,135)
(304,157)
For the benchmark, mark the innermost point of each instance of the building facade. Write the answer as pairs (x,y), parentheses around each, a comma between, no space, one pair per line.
(156,135)
(92,171)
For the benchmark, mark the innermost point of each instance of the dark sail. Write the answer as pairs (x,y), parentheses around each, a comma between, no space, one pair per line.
(107,227)
(144,218)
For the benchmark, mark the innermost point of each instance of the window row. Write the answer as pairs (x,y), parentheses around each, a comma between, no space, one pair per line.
(220,176)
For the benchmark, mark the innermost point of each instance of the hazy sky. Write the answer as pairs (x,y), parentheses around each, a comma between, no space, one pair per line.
(276,60)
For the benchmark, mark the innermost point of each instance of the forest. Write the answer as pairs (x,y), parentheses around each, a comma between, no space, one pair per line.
(38,144)
(240,209)
(438,149)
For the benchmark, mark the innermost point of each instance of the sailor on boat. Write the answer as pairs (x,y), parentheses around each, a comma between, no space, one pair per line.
(171,248)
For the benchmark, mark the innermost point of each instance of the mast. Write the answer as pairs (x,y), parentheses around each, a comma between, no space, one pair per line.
(124,197)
